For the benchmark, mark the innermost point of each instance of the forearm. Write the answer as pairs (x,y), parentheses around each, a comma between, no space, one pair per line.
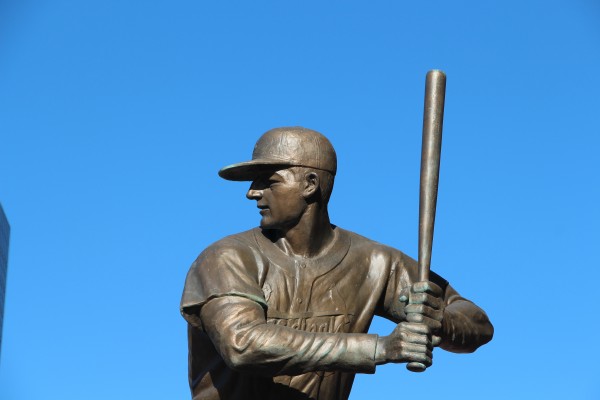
(238,329)
(465,327)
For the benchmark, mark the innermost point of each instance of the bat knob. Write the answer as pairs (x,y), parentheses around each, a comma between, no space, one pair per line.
(416,366)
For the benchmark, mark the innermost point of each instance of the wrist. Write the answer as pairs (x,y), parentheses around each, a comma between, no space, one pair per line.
(380,353)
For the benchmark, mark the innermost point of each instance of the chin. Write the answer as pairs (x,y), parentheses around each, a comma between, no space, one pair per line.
(276,226)
(266,224)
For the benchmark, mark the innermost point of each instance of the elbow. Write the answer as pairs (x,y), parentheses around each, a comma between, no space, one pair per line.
(485,333)
(241,353)
(244,354)
(249,363)
(468,335)
(488,332)
(238,358)
(237,362)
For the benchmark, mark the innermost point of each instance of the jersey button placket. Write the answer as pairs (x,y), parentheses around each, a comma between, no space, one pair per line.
(301,265)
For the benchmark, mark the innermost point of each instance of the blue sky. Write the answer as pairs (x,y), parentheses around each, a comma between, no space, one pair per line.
(116,115)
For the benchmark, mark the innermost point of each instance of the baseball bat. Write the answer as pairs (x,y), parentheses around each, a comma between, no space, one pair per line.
(433,118)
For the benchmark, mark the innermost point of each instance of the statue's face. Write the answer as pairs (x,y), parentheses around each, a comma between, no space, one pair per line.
(278,195)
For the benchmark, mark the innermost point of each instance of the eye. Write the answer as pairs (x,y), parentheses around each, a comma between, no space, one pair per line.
(259,184)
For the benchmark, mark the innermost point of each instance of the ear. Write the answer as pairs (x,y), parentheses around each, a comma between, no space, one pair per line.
(311,184)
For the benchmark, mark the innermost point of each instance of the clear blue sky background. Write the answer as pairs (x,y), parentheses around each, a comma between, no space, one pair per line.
(116,115)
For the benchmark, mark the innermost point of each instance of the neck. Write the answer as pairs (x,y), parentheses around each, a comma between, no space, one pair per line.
(310,236)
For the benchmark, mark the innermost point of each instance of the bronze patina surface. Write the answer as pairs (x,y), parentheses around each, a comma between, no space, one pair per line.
(281,311)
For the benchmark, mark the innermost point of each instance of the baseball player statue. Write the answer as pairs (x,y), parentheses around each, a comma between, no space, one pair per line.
(281,312)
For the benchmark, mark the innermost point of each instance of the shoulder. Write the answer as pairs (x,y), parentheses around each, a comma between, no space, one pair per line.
(376,252)
(362,243)
(242,241)
(226,267)
(233,249)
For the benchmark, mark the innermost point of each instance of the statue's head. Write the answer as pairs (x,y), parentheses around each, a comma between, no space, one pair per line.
(291,168)
(285,147)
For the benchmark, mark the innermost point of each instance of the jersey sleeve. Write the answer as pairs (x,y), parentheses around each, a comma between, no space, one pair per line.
(247,343)
(402,274)
(227,268)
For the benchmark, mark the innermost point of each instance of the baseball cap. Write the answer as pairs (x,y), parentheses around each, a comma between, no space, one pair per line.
(285,147)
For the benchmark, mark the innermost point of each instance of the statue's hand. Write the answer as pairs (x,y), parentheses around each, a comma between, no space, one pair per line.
(408,342)
(426,307)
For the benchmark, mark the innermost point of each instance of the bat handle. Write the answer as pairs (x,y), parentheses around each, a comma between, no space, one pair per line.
(415,366)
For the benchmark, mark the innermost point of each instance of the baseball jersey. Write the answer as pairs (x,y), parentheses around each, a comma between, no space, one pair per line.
(322,308)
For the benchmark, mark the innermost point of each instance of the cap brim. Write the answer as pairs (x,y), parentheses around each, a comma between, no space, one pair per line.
(249,170)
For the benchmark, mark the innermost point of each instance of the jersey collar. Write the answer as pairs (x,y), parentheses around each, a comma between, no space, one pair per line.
(328,260)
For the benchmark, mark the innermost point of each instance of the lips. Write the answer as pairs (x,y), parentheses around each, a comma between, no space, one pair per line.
(263,209)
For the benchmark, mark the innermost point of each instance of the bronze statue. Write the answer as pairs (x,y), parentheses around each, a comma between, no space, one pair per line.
(281,311)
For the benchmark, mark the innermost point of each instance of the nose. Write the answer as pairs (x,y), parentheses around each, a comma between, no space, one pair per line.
(254,194)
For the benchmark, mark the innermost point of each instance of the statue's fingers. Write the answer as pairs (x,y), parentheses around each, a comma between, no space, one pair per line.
(425,358)
(425,298)
(417,339)
(430,323)
(416,327)
(425,310)
(427,287)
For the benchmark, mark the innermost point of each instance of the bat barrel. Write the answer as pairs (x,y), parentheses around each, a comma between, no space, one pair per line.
(433,117)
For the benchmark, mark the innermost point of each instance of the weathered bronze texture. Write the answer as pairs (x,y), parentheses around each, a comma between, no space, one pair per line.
(282,311)
(433,118)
